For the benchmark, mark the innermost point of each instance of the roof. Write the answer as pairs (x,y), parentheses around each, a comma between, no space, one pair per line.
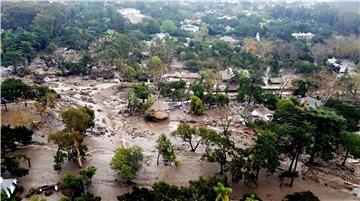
(263,113)
(8,185)
(226,74)
(310,102)
(276,80)
(187,75)
(228,39)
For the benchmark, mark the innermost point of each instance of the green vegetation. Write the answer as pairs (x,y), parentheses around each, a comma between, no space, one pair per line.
(127,161)
(10,137)
(196,105)
(202,190)
(75,187)
(165,149)
(70,139)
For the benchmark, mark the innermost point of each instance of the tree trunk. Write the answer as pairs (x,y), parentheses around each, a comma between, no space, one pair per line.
(78,157)
(157,161)
(292,162)
(5,106)
(293,175)
(221,169)
(196,146)
(191,146)
(346,155)
(312,157)
(257,173)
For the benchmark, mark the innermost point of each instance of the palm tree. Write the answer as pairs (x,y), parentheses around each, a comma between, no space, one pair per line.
(222,192)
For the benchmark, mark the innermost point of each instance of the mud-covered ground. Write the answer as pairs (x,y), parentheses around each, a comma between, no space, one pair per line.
(115,128)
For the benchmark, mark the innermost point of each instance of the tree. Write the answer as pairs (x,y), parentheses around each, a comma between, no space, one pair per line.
(141,91)
(12,89)
(222,192)
(14,58)
(250,88)
(222,99)
(209,79)
(127,161)
(10,137)
(168,26)
(350,142)
(70,139)
(202,189)
(326,133)
(165,149)
(350,112)
(301,88)
(51,48)
(301,196)
(156,67)
(78,119)
(196,105)
(225,118)
(187,132)
(265,153)
(298,140)
(224,147)
(287,112)
(78,185)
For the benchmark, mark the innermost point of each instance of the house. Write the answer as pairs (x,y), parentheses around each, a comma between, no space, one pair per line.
(341,66)
(183,75)
(161,36)
(225,17)
(228,39)
(190,28)
(275,80)
(309,102)
(226,74)
(229,28)
(306,36)
(8,185)
(133,15)
(262,113)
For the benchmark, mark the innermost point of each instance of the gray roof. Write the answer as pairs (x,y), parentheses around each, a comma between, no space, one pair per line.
(311,102)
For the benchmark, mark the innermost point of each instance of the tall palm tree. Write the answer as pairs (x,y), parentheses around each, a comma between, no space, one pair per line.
(222,192)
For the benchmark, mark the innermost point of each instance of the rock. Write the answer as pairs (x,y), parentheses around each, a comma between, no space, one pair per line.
(153,115)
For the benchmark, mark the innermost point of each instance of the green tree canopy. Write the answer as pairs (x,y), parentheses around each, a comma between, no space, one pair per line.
(127,161)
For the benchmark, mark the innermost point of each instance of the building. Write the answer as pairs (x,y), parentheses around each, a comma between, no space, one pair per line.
(190,28)
(226,74)
(228,39)
(262,113)
(229,28)
(8,186)
(275,80)
(338,66)
(306,36)
(133,15)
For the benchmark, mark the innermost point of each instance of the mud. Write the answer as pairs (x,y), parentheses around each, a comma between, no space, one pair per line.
(114,128)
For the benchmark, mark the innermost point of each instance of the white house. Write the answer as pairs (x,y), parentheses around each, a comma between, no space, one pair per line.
(301,35)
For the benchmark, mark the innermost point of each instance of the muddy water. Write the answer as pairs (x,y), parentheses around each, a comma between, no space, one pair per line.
(128,131)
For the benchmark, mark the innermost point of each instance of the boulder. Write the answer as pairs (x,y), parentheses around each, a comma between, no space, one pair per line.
(153,115)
